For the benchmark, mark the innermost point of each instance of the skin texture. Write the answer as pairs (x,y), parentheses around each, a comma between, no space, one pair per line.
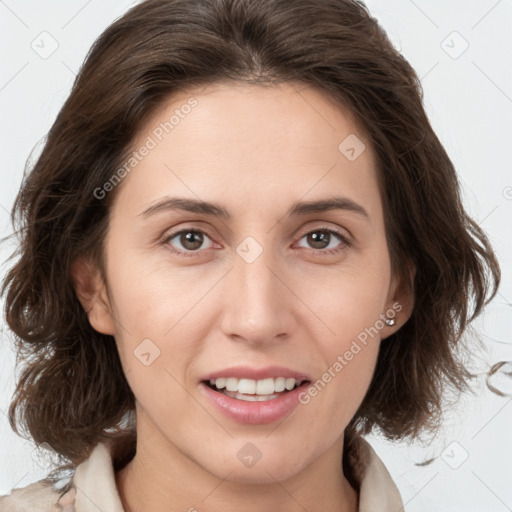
(256,151)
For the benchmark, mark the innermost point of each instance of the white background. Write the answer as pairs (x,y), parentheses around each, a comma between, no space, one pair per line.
(468,97)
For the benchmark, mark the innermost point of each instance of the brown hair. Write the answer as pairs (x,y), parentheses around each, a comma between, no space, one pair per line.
(72,392)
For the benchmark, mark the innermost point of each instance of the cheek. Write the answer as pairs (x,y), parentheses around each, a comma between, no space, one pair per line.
(155,373)
(156,318)
(349,302)
(349,364)
(152,296)
(347,327)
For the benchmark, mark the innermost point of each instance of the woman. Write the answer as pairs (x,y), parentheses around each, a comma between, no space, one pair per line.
(243,249)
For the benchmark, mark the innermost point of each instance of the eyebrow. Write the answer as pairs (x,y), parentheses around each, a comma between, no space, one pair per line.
(216,210)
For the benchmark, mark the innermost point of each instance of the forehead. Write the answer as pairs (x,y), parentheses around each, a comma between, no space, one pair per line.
(249,145)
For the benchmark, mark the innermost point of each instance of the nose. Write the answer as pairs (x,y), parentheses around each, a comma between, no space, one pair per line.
(257,306)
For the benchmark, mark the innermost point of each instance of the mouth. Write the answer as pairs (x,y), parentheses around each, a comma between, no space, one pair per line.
(251,390)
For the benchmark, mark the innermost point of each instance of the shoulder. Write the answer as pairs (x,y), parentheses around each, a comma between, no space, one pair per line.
(94,477)
(41,496)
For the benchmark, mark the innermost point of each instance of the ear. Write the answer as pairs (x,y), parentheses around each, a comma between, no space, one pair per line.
(91,293)
(400,301)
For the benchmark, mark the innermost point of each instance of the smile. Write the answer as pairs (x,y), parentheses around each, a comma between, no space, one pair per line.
(254,402)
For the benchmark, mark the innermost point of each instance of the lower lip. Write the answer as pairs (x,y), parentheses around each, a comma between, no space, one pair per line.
(255,413)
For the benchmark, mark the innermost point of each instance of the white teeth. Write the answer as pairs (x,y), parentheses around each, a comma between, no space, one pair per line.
(220,383)
(247,386)
(251,398)
(280,384)
(265,387)
(231,384)
(262,387)
(290,383)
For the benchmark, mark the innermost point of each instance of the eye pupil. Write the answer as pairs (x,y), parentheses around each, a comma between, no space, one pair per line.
(317,236)
(188,236)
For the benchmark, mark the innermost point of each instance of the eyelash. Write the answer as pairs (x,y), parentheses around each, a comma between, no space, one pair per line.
(345,241)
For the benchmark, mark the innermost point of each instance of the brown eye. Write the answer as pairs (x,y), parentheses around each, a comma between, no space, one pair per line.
(324,240)
(319,239)
(189,240)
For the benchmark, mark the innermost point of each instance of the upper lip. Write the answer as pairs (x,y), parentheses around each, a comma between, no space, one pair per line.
(249,372)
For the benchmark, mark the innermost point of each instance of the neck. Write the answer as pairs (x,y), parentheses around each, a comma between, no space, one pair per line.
(169,480)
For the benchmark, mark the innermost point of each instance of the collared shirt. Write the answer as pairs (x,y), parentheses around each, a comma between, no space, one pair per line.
(93,487)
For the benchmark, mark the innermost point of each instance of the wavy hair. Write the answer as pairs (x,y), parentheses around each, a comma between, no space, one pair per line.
(72,392)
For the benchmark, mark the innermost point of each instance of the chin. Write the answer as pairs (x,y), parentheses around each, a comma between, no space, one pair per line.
(262,472)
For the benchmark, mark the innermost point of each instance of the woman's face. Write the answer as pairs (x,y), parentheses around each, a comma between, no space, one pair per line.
(257,282)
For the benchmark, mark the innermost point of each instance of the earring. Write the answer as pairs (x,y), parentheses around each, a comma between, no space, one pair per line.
(390,321)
